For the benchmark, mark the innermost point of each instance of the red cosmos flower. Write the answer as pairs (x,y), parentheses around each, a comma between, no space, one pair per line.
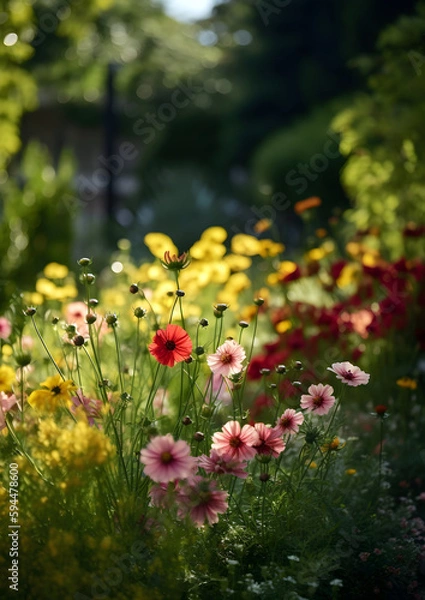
(171,345)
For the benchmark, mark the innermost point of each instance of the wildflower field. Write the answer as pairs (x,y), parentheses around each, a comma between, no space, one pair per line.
(216,423)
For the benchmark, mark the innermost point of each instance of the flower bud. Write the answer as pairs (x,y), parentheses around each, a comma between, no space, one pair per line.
(281,369)
(139,312)
(221,307)
(199,350)
(259,301)
(264,477)
(206,410)
(111,319)
(265,372)
(198,436)
(30,311)
(187,420)
(85,262)
(204,322)
(55,320)
(298,365)
(134,288)
(23,360)
(78,341)
(88,278)
(180,293)
(243,324)
(188,360)
(93,302)
(91,318)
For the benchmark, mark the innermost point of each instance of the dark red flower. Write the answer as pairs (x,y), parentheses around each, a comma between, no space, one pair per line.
(381,409)
(171,345)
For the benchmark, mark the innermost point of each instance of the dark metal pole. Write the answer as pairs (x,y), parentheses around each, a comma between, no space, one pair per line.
(110,132)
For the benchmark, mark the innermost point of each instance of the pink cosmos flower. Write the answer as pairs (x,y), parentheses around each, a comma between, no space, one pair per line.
(235,443)
(5,328)
(6,403)
(270,440)
(201,500)
(319,399)
(90,406)
(290,421)
(227,359)
(166,460)
(349,374)
(214,463)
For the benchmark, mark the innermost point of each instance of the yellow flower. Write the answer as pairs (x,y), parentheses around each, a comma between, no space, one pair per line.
(208,250)
(283,326)
(219,271)
(245,244)
(370,259)
(237,262)
(55,271)
(53,292)
(316,254)
(7,377)
(237,283)
(159,243)
(348,275)
(286,268)
(354,248)
(407,382)
(214,234)
(270,248)
(56,392)
(335,444)
(350,472)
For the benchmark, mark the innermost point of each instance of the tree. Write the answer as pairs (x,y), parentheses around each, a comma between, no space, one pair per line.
(383,137)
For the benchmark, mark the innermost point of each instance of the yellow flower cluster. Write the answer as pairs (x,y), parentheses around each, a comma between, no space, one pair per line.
(76,447)
(211,264)
(7,378)
(57,284)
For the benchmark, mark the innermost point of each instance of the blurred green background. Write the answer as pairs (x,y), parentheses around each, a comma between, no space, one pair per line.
(117,119)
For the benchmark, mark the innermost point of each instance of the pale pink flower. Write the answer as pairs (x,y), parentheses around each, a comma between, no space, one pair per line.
(75,314)
(161,402)
(6,403)
(221,390)
(227,359)
(166,460)
(290,421)
(214,463)
(270,440)
(163,495)
(235,443)
(27,342)
(90,406)
(349,374)
(5,328)
(200,499)
(319,399)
